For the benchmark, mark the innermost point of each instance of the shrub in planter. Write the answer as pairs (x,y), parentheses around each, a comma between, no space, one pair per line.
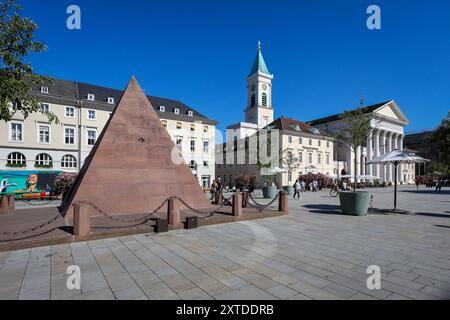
(15,165)
(64,182)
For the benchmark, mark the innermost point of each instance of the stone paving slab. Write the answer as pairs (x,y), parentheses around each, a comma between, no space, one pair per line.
(313,253)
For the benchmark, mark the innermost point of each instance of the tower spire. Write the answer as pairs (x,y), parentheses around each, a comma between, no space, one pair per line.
(259,65)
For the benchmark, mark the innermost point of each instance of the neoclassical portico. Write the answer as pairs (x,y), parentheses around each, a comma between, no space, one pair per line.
(386,134)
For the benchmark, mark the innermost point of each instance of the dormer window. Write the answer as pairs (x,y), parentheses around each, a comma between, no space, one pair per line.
(176,111)
(162,108)
(44,89)
(110,100)
(190,113)
(91,97)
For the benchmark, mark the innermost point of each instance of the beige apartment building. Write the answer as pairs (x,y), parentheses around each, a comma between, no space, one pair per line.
(83,110)
(312,152)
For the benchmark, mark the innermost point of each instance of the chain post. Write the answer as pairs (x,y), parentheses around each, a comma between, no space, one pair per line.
(237,204)
(81,220)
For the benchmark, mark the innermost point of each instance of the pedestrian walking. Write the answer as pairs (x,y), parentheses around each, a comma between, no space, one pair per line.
(297,189)
(213,189)
(315,185)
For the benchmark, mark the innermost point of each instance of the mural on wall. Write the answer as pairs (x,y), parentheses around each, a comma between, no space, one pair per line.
(26,183)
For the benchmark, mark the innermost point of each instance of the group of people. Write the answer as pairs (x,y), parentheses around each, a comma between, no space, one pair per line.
(430,183)
(216,187)
(300,186)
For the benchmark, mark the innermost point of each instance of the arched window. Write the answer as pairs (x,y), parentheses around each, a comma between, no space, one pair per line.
(264,99)
(253,101)
(16,158)
(68,162)
(43,159)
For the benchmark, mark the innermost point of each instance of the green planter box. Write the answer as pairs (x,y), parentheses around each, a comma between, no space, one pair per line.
(355,203)
(269,192)
(289,190)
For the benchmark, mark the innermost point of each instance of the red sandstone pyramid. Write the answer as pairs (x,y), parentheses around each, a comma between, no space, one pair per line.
(130,169)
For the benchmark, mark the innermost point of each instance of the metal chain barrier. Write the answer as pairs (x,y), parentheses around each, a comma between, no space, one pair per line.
(261,206)
(32,229)
(38,204)
(114,218)
(207,214)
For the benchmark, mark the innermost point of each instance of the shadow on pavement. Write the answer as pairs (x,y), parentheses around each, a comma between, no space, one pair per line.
(323,208)
(427,191)
(441,226)
(437,215)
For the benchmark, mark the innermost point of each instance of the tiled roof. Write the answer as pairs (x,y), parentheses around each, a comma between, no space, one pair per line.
(367,109)
(289,124)
(79,91)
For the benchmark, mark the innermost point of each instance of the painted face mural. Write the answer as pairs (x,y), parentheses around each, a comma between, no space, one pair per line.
(21,182)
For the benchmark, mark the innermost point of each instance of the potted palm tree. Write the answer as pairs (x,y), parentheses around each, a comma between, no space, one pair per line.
(352,136)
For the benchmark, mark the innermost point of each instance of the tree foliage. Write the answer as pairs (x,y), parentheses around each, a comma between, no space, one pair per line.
(16,74)
(440,142)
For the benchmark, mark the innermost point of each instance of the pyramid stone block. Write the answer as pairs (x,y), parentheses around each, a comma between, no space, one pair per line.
(130,169)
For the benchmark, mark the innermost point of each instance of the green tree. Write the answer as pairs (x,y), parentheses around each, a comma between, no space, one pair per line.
(16,74)
(440,142)
(354,133)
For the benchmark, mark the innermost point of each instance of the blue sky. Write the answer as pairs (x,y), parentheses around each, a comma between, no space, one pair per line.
(200,51)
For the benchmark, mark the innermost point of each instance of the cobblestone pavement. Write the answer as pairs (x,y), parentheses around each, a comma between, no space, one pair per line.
(313,253)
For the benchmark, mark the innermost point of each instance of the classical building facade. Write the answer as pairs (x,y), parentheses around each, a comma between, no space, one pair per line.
(83,110)
(386,134)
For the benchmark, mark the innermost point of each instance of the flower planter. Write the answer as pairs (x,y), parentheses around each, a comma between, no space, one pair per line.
(269,192)
(289,190)
(355,203)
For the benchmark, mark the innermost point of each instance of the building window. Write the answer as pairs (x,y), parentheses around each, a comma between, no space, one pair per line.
(43,159)
(68,161)
(319,158)
(45,108)
(327,159)
(192,145)
(319,143)
(69,135)
(178,125)
(192,127)
(253,101)
(164,123)
(44,134)
(205,129)
(91,97)
(290,176)
(190,113)
(16,131)
(16,158)
(328,144)
(176,111)
(193,165)
(92,115)
(44,89)
(162,108)
(300,140)
(206,146)
(179,143)
(91,137)
(110,100)
(264,99)
(310,142)
(205,164)
(310,158)
(289,139)
(300,157)
(70,112)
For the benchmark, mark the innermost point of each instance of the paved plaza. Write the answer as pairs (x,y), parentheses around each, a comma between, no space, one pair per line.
(314,253)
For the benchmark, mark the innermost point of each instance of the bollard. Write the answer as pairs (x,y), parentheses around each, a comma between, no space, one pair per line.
(161,225)
(237,205)
(11,202)
(191,223)
(81,220)
(173,212)
(283,202)
(4,207)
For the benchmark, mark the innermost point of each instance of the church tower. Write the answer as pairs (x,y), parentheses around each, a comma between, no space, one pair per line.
(259,108)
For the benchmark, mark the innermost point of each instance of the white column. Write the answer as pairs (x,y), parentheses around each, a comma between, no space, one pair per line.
(350,161)
(400,147)
(369,152)
(394,147)
(383,151)
(376,149)
(358,162)
(389,167)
